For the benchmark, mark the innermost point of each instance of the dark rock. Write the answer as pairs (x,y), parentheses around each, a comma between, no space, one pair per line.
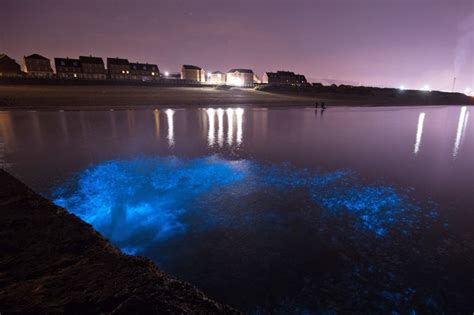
(51,261)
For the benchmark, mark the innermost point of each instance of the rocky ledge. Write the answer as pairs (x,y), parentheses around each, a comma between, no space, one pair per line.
(51,261)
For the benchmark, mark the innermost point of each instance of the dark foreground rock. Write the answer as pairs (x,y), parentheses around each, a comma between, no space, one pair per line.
(51,261)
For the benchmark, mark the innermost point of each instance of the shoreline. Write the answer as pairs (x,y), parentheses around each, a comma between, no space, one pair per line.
(55,262)
(106,97)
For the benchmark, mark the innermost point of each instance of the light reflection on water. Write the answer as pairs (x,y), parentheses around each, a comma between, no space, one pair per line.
(169,117)
(156,112)
(230,126)
(229,123)
(211,131)
(462,124)
(297,212)
(419,133)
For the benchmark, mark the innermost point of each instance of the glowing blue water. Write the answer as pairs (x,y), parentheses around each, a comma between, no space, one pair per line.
(276,217)
(137,202)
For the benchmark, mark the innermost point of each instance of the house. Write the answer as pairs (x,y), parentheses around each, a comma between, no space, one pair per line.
(144,72)
(92,68)
(217,77)
(240,77)
(118,68)
(68,68)
(284,78)
(38,66)
(9,67)
(192,73)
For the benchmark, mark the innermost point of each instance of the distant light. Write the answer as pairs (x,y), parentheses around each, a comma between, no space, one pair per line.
(402,87)
(128,72)
(209,75)
(152,73)
(468,91)
(426,87)
(167,74)
(75,75)
(235,80)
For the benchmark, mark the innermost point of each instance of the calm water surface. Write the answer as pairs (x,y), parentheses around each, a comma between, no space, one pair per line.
(272,210)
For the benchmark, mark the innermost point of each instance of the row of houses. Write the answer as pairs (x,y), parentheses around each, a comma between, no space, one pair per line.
(85,67)
(236,77)
(241,77)
(93,68)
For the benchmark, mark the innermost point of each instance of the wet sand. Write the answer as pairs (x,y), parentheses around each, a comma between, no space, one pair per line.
(95,97)
(50,97)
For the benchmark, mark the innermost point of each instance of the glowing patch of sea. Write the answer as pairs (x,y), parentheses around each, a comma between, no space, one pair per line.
(140,201)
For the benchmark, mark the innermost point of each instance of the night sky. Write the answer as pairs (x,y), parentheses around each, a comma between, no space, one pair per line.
(369,42)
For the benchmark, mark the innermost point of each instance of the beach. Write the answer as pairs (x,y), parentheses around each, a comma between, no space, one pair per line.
(103,97)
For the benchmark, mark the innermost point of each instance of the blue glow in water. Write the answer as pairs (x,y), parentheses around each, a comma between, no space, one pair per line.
(137,202)
(167,207)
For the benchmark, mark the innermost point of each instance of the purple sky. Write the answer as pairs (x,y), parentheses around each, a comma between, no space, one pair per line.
(370,42)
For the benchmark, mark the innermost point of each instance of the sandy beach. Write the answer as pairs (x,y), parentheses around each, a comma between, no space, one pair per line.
(95,97)
(135,97)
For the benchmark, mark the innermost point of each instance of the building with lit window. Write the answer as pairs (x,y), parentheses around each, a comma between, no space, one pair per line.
(240,77)
(144,72)
(217,77)
(67,68)
(92,68)
(9,67)
(38,66)
(284,78)
(193,73)
(118,69)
